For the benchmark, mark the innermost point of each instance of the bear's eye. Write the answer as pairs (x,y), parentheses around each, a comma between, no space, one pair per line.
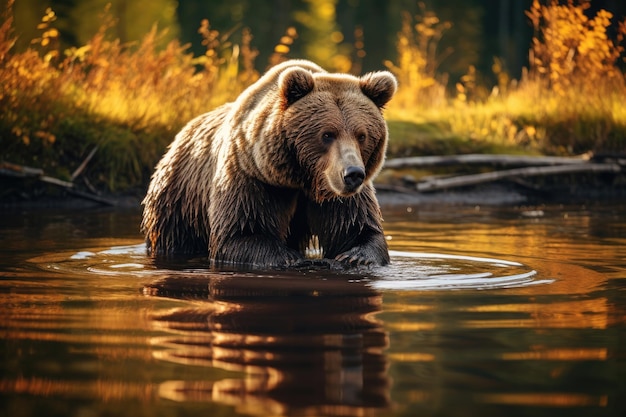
(361,137)
(328,137)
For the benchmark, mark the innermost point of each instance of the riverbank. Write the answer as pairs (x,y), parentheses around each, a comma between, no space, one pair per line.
(588,190)
(89,107)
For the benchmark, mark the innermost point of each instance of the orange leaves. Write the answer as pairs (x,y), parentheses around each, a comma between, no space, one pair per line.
(284,46)
(417,60)
(54,102)
(571,49)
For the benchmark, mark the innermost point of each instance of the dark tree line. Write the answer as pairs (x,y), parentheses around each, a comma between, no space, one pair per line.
(480,30)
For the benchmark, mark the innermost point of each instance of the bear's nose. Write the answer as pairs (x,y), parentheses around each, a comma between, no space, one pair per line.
(353,177)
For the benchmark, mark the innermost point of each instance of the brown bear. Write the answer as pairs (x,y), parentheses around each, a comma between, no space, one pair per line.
(290,162)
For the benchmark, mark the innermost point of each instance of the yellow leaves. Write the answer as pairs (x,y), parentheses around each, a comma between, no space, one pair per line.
(51,33)
(570,48)
(324,38)
(530,131)
(342,62)
(336,37)
(281,49)
(417,59)
(79,54)
(23,134)
(144,86)
(325,9)
(19,133)
(50,56)
(572,97)
(460,93)
(291,32)
(49,16)
(46,137)
(284,46)
(286,40)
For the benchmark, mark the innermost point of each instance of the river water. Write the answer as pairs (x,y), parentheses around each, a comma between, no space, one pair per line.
(484,311)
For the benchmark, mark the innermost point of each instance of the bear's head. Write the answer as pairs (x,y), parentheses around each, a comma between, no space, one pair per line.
(334,128)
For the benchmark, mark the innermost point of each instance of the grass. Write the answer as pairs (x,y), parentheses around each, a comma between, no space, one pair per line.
(569,101)
(130,100)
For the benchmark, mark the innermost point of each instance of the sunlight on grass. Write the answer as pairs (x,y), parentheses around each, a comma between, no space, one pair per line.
(130,100)
(569,101)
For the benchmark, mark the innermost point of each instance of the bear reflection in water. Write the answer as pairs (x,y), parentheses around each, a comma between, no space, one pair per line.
(306,345)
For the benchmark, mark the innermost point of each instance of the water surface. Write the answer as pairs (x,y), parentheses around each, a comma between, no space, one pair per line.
(484,311)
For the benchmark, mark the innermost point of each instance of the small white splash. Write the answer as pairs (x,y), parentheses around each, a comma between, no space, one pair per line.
(128,265)
(533,213)
(82,255)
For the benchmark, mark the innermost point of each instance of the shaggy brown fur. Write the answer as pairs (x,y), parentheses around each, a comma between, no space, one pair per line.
(292,158)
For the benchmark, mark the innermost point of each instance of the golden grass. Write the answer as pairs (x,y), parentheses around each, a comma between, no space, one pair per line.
(569,101)
(131,99)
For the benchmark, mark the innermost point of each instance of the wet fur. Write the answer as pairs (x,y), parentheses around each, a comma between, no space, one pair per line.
(243,184)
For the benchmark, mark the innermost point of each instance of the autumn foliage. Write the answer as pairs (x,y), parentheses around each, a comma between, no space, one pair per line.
(571,49)
(129,100)
(569,100)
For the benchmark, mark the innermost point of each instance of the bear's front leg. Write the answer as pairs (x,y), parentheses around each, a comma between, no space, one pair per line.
(350,229)
(250,224)
(369,249)
(264,252)
(254,250)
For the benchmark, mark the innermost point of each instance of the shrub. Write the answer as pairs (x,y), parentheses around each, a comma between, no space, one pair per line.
(129,100)
(416,67)
(569,101)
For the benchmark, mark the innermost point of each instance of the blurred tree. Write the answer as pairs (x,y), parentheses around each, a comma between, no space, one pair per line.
(135,18)
(368,28)
(78,20)
(321,35)
(346,35)
(28,14)
(266,19)
(462,44)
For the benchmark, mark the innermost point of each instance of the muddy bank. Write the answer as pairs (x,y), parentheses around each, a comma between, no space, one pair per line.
(493,194)
(505,194)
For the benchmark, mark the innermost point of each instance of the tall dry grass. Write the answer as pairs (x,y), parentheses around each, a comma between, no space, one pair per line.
(416,66)
(570,100)
(129,100)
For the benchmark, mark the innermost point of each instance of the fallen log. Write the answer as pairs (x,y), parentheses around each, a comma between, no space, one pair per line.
(438,183)
(483,159)
(20,171)
(14,170)
(70,188)
(83,165)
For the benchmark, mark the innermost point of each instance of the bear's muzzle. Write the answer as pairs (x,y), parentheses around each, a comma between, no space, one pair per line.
(353,178)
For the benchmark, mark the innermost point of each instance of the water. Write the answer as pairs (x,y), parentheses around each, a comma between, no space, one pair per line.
(484,311)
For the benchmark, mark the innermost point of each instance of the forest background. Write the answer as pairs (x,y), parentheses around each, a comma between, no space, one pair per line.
(122,77)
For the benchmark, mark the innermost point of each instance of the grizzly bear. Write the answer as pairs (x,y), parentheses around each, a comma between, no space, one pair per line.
(290,162)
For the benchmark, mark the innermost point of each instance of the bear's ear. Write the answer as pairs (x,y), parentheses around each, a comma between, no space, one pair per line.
(295,83)
(379,87)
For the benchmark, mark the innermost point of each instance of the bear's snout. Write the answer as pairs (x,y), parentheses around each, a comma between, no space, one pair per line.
(353,178)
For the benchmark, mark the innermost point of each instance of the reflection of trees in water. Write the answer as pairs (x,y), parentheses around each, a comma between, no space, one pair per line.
(306,345)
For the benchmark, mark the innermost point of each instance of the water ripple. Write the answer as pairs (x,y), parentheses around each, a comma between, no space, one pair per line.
(437,271)
(407,271)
